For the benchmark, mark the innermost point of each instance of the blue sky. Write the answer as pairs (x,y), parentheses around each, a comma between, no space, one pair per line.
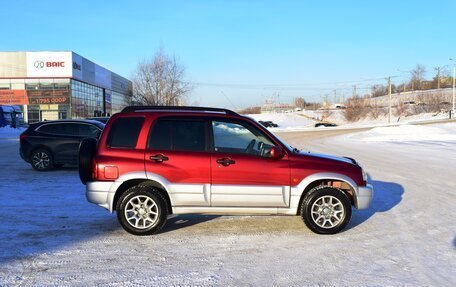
(246,50)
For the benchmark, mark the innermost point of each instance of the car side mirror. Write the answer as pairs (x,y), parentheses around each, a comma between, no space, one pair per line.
(277,152)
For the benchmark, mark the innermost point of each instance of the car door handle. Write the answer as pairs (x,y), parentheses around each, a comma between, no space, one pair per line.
(226,161)
(159,157)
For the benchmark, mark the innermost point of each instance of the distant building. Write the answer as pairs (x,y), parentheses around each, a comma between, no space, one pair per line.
(270,106)
(60,85)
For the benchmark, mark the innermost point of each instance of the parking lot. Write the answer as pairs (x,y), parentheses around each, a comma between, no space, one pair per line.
(50,234)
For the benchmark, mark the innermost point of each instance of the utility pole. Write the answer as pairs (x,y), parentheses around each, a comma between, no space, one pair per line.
(389,96)
(354,91)
(404,86)
(335,96)
(454,86)
(438,77)
(454,76)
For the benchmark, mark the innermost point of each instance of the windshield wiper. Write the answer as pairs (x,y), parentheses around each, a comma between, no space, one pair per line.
(295,150)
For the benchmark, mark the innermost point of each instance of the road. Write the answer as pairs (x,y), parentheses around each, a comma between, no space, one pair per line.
(50,235)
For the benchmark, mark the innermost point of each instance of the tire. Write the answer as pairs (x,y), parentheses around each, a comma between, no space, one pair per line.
(42,160)
(137,220)
(87,149)
(326,210)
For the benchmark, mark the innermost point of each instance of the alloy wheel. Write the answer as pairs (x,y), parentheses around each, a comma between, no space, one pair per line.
(41,160)
(141,212)
(327,211)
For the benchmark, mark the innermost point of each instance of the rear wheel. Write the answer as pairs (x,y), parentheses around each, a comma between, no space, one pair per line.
(141,210)
(326,210)
(42,160)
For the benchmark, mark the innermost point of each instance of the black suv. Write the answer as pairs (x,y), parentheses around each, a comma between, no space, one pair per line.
(50,144)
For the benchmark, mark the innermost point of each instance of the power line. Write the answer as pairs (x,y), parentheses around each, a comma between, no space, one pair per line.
(284,85)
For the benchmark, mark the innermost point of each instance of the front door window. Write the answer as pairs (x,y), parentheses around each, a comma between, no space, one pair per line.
(239,139)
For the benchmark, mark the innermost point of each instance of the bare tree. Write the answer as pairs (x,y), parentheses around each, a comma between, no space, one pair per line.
(251,110)
(356,108)
(160,81)
(417,76)
(375,110)
(379,90)
(300,102)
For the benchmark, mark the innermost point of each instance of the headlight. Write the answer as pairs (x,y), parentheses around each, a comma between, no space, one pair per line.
(364,175)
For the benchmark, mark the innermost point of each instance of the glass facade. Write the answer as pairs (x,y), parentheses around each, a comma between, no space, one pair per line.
(54,99)
(86,100)
(51,85)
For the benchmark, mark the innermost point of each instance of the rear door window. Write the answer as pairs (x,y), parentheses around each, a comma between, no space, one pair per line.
(179,135)
(86,130)
(124,132)
(160,136)
(70,129)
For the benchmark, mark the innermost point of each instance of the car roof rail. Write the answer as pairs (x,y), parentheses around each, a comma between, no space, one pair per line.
(182,109)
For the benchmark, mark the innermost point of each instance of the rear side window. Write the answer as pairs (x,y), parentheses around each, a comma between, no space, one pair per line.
(178,135)
(53,129)
(124,132)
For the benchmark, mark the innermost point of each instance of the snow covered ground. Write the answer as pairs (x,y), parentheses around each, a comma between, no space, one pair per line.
(306,120)
(408,133)
(337,117)
(9,132)
(50,235)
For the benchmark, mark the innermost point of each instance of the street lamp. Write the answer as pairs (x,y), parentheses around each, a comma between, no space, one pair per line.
(454,83)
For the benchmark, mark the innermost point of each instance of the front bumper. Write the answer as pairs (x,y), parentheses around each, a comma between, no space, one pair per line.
(98,192)
(364,196)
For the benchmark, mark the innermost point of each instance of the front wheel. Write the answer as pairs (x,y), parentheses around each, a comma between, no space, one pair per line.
(326,210)
(141,210)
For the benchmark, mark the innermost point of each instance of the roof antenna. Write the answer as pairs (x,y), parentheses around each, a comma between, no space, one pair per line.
(228,99)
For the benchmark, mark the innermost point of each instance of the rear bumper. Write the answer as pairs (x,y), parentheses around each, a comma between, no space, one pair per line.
(364,196)
(98,192)
(22,154)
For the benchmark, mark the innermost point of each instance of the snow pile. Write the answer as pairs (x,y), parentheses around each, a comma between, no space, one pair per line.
(286,121)
(338,117)
(232,128)
(8,131)
(407,133)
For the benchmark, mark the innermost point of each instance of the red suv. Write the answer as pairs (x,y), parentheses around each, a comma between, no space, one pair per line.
(154,161)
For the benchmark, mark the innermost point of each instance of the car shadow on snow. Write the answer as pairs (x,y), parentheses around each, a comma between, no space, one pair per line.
(387,195)
(50,235)
(187,220)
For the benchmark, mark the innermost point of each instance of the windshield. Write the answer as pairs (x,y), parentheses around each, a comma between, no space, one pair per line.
(287,146)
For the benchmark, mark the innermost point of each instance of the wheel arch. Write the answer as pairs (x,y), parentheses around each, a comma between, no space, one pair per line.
(342,182)
(40,146)
(144,182)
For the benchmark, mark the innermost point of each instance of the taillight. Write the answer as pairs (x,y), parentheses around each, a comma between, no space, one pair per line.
(23,136)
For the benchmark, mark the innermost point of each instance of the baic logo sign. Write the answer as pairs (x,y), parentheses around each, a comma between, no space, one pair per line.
(48,64)
(39,64)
